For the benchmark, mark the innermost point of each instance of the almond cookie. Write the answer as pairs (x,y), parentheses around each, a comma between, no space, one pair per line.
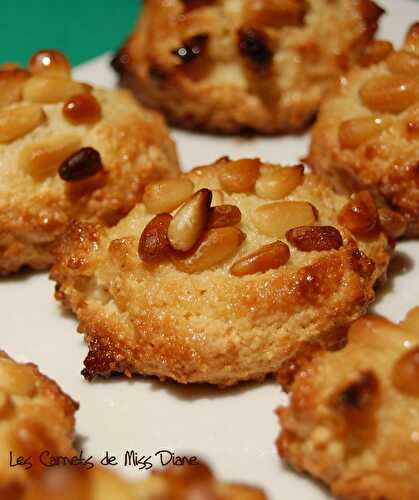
(229,65)
(174,483)
(68,151)
(35,416)
(353,416)
(221,275)
(367,133)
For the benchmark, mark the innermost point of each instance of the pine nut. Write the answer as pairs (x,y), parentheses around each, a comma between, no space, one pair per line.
(375,52)
(224,215)
(412,39)
(264,258)
(405,373)
(277,218)
(390,93)
(275,183)
(48,90)
(190,220)
(239,176)
(357,131)
(20,120)
(315,238)
(84,163)
(165,196)
(273,13)
(403,63)
(82,108)
(41,159)
(154,243)
(217,198)
(217,246)
(50,63)
(11,85)
(360,214)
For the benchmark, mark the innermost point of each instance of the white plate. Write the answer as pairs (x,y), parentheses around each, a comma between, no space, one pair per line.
(233,429)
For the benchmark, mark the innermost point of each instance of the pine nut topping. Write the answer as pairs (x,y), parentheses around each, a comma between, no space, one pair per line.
(390,93)
(154,243)
(50,63)
(190,220)
(404,63)
(224,215)
(315,238)
(392,223)
(275,219)
(11,85)
(82,108)
(165,196)
(217,198)
(273,13)
(405,373)
(239,176)
(82,164)
(20,120)
(217,246)
(360,214)
(49,90)
(375,52)
(412,39)
(357,131)
(41,158)
(275,183)
(266,257)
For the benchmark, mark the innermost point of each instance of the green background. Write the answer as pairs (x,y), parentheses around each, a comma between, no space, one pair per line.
(81,29)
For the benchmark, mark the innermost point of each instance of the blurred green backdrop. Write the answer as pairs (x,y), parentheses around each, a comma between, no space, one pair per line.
(81,28)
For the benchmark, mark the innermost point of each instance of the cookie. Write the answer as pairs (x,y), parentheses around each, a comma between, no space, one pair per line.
(229,66)
(174,483)
(352,419)
(68,150)
(184,290)
(35,416)
(367,133)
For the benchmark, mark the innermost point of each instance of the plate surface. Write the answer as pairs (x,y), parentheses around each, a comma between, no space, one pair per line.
(233,429)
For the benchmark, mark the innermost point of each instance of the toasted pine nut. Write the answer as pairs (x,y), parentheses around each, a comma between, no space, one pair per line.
(165,196)
(48,90)
(360,214)
(11,85)
(376,51)
(82,108)
(41,158)
(389,93)
(154,243)
(190,220)
(275,219)
(405,373)
(273,13)
(264,258)
(217,246)
(217,197)
(20,120)
(50,63)
(17,381)
(412,39)
(315,238)
(392,223)
(239,176)
(403,63)
(357,131)
(275,183)
(80,165)
(224,215)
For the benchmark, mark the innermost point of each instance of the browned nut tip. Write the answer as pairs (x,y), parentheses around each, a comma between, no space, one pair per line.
(315,238)
(392,223)
(49,62)
(360,214)
(216,246)
(154,243)
(190,220)
(224,215)
(239,176)
(82,108)
(267,257)
(405,373)
(375,52)
(82,164)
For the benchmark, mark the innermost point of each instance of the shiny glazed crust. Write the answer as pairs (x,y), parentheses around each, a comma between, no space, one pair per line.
(210,326)
(265,78)
(387,163)
(349,423)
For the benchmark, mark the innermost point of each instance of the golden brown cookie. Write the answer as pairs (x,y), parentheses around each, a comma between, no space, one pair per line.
(224,293)
(172,483)
(229,65)
(68,150)
(353,416)
(367,133)
(35,416)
